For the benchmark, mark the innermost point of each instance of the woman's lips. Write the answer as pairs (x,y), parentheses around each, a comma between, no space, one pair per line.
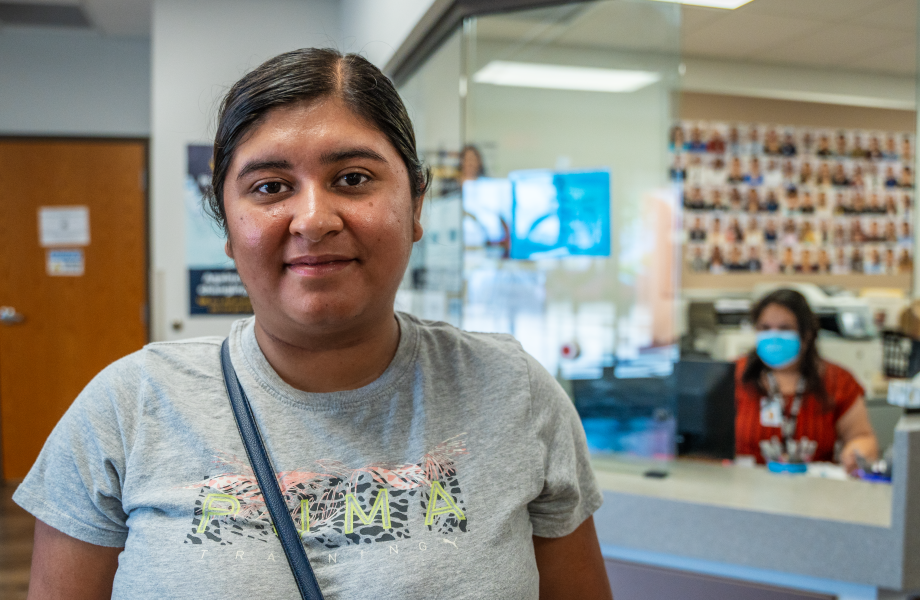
(319,266)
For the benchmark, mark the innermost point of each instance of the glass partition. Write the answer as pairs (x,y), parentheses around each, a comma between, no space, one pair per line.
(584,198)
(434,284)
(569,222)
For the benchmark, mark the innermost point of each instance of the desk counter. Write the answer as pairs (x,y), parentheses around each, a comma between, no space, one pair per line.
(865,534)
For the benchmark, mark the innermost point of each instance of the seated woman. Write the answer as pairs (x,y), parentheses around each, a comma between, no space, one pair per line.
(386,432)
(818,399)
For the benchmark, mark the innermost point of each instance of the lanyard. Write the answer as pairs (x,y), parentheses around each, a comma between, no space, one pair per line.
(790,421)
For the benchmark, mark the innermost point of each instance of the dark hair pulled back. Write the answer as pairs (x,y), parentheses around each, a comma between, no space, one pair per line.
(809,361)
(311,74)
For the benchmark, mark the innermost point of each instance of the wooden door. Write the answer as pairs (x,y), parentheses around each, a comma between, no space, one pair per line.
(72,325)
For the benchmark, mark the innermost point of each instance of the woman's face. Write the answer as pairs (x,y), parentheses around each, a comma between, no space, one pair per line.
(320,219)
(470,166)
(777,317)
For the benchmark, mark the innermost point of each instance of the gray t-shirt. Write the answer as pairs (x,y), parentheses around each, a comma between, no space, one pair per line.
(427,483)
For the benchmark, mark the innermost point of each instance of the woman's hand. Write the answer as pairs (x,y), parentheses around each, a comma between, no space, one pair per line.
(864,446)
(855,431)
(572,566)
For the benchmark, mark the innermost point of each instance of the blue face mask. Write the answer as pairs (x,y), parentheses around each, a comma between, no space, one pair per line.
(778,349)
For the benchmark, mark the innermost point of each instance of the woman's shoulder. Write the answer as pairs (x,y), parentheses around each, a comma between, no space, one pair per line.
(187,351)
(167,361)
(741,364)
(473,356)
(839,381)
(448,338)
(744,391)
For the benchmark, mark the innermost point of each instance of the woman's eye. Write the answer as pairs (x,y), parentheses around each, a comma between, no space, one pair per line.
(353,179)
(272,187)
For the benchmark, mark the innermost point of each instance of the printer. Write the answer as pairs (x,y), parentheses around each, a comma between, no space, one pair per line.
(838,311)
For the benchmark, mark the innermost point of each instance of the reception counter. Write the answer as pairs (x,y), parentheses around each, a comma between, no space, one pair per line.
(847,539)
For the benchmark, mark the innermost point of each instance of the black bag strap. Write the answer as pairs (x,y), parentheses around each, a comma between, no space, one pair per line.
(268,483)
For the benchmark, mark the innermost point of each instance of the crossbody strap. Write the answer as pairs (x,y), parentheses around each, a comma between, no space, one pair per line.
(268,483)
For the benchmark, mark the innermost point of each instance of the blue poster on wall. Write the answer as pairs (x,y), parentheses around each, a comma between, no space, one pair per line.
(213,283)
(557,214)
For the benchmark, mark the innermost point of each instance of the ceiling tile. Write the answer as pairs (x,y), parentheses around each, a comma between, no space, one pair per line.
(627,25)
(896,14)
(741,35)
(899,60)
(827,10)
(833,44)
(514,30)
(695,17)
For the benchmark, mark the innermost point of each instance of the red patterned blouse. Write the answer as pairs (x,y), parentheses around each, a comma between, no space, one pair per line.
(815,423)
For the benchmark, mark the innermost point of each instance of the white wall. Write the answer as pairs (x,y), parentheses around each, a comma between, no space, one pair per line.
(61,82)
(797,83)
(199,49)
(432,98)
(376,28)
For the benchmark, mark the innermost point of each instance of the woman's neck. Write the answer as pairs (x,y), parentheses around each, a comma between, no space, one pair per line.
(353,361)
(787,378)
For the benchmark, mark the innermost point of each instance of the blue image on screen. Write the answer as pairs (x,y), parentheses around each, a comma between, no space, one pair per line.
(557,214)
(487,214)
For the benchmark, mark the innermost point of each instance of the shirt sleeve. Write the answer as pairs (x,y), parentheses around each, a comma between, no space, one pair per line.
(75,485)
(845,391)
(568,492)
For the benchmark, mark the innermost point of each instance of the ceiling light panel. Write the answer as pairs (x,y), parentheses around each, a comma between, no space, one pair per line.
(727,4)
(562,77)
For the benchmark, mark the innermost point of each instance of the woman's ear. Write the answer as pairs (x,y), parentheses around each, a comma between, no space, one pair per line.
(228,250)
(417,230)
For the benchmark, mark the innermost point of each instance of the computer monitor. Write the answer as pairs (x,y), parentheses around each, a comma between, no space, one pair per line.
(694,406)
(705,408)
(627,415)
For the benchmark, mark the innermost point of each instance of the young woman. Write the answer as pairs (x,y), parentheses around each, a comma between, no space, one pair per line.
(820,400)
(417,460)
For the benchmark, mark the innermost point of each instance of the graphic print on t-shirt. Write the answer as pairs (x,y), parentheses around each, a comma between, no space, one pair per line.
(335,505)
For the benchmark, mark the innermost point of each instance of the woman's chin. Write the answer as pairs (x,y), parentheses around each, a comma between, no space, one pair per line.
(321,316)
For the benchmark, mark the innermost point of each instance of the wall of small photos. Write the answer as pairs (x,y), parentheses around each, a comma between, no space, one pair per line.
(780,200)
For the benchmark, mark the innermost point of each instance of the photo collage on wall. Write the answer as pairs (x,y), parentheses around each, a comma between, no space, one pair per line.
(773,199)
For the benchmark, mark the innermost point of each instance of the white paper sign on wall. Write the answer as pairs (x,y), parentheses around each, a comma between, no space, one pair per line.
(63,225)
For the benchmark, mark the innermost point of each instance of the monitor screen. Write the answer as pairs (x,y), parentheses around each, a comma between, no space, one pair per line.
(558,214)
(486,212)
(693,409)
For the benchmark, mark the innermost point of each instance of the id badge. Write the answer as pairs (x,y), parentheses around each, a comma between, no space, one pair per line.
(771,413)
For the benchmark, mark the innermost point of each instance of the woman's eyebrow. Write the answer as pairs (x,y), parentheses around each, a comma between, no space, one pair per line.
(325,158)
(361,152)
(259,165)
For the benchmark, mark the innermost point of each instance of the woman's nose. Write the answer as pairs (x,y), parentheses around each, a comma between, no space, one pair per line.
(315,214)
